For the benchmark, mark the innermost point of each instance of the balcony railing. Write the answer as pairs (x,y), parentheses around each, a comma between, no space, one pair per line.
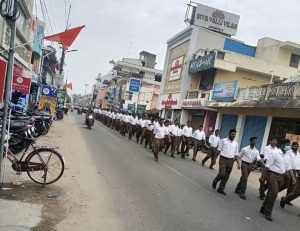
(281,91)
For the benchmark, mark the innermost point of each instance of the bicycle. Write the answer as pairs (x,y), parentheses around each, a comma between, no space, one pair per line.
(41,164)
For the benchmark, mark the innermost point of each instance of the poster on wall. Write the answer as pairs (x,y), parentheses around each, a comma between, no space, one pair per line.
(48,90)
(61,95)
(48,104)
(20,92)
(176,68)
(2,78)
(226,91)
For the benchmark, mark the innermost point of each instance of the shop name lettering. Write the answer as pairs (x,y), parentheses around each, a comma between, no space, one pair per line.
(191,103)
(201,63)
(217,21)
(169,102)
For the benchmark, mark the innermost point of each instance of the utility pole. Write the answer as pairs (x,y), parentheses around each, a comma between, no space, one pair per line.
(8,82)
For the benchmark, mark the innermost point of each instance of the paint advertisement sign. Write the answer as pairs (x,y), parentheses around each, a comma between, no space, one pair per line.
(226,91)
(61,95)
(20,91)
(47,103)
(176,68)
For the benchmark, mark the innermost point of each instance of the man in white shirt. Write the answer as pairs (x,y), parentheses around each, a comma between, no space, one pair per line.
(159,137)
(187,133)
(271,149)
(138,129)
(173,130)
(132,124)
(143,128)
(179,138)
(294,192)
(198,140)
(149,134)
(247,156)
(274,173)
(213,153)
(229,151)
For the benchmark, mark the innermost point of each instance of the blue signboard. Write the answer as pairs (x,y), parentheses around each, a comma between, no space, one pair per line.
(48,90)
(226,91)
(134,85)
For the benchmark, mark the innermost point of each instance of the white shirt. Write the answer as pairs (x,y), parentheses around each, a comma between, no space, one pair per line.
(228,148)
(160,132)
(249,154)
(179,132)
(199,135)
(295,159)
(126,118)
(187,131)
(147,122)
(173,129)
(167,132)
(143,123)
(118,116)
(214,141)
(268,150)
(150,127)
(279,162)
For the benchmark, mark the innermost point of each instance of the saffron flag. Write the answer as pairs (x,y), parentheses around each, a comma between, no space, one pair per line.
(69,85)
(67,37)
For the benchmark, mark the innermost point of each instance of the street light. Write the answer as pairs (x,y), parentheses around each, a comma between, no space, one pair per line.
(62,61)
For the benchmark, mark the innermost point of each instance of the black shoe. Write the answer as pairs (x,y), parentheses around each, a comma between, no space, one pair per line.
(262,210)
(187,154)
(214,184)
(172,156)
(182,157)
(237,191)
(221,192)
(178,153)
(289,203)
(243,197)
(156,159)
(202,163)
(268,216)
(262,197)
(211,167)
(282,203)
(193,159)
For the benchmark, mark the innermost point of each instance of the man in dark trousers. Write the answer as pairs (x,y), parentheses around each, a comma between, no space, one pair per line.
(229,151)
(213,152)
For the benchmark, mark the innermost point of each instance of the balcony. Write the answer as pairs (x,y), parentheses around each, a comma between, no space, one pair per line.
(283,95)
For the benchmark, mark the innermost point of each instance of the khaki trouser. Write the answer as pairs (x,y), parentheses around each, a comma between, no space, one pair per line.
(225,168)
(138,133)
(274,182)
(172,144)
(132,130)
(148,138)
(213,154)
(185,145)
(178,142)
(197,144)
(143,130)
(158,145)
(246,168)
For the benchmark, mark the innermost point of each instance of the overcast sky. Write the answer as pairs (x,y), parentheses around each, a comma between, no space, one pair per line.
(111,26)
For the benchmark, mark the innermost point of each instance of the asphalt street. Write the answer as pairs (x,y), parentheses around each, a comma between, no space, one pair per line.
(172,194)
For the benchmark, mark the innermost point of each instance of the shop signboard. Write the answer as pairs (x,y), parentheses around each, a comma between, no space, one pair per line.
(193,103)
(168,103)
(226,91)
(134,85)
(202,63)
(20,91)
(48,90)
(176,68)
(216,20)
(2,78)
(61,95)
(131,107)
(141,109)
(47,103)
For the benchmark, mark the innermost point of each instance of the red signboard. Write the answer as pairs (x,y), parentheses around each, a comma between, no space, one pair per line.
(21,84)
(2,78)
(169,102)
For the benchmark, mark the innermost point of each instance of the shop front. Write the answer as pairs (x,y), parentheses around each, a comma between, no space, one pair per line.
(170,106)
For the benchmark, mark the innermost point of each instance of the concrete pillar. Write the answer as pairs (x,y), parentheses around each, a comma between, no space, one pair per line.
(163,112)
(267,132)
(218,121)
(172,115)
(240,128)
(184,116)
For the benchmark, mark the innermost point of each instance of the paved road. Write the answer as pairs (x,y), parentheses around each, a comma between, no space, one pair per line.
(172,194)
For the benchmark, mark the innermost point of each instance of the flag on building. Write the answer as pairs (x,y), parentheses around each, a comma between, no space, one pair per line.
(69,85)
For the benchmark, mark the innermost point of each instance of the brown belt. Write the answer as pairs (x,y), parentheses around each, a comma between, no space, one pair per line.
(226,158)
(278,174)
(244,162)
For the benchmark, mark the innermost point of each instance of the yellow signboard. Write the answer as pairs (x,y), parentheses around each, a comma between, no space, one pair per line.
(47,103)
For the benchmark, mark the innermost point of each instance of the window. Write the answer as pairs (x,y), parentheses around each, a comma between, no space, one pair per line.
(130,96)
(220,55)
(294,62)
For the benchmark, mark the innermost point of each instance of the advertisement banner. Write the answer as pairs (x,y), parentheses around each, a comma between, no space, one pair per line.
(216,20)
(226,91)
(34,94)
(47,103)
(193,103)
(61,95)
(20,91)
(141,109)
(134,85)
(2,78)
(176,68)
(48,90)
(202,63)
(131,108)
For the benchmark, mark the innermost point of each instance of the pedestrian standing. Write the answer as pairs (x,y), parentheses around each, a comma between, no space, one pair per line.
(247,156)
(159,137)
(198,139)
(228,149)
(277,165)
(295,162)
(267,151)
(213,152)
(186,139)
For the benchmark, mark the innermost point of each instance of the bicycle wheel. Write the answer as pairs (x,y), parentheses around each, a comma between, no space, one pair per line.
(45,166)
